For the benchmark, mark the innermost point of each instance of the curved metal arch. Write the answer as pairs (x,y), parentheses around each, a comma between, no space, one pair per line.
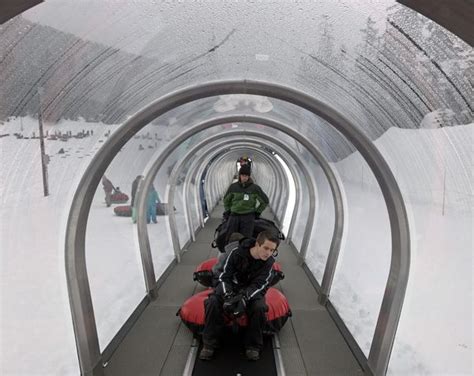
(312,204)
(274,195)
(276,183)
(76,271)
(199,173)
(398,276)
(255,134)
(216,186)
(197,169)
(330,174)
(297,196)
(336,189)
(173,177)
(216,189)
(279,186)
(296,179)
(274,191)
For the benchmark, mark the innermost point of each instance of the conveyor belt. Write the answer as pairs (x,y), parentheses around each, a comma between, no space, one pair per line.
(230,359)
(158,343)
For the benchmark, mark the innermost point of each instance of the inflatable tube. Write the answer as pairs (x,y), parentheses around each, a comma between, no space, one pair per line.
(204,275)
(193,315)
(119,198)
(123,211)
(126,210)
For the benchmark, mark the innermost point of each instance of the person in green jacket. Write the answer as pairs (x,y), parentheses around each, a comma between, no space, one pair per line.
(243,202)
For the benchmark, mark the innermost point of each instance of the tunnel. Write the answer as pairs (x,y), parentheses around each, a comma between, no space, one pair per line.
(356,119)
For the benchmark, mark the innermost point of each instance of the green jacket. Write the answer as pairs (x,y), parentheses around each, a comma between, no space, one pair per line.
(242,199)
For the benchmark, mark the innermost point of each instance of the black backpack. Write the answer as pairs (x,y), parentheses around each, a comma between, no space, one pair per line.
(261,224)
(220,236)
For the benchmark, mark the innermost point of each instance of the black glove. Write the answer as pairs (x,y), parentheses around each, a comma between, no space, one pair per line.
(228,302)
(240,307)
(257,215)
(234,305)
(226,215)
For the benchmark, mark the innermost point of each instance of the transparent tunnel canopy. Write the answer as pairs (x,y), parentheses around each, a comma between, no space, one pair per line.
(84,68)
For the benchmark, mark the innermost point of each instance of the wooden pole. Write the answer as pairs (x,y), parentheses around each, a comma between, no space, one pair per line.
(44,157)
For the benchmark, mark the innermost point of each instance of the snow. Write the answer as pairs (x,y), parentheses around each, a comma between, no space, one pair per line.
(435,332)
(36,322)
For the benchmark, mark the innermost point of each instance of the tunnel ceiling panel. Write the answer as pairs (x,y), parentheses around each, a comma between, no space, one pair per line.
(379,63)
(330,142)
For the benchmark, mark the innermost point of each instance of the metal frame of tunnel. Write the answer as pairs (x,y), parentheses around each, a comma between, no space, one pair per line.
(275,166)
(275,190)
(336,190)
(141,201)
(201,219)
(153,169)
(189,216)
(295,176)
(76,271)
(213,192)
(214,186)
(171,190)
(275,142)
(274,193)
(222,149)
(318,157)
(199,171)
(329,172)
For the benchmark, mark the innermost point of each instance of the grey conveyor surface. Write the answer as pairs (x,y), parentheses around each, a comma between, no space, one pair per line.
(230,360)
(159,343)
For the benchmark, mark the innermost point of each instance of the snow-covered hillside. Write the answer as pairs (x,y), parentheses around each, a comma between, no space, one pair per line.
(435,176)
(36,321)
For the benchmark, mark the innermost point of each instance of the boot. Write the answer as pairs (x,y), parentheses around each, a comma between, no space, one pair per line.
(252,354)
(206,353)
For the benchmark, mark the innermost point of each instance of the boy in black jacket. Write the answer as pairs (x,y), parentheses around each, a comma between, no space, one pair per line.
(241,289)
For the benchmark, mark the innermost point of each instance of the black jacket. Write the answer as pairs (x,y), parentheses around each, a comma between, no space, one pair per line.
(243,273)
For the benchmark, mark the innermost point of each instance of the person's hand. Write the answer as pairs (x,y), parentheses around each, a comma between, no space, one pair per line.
(239,308)
(228,303)
(226,215)
(228,296)
(234,305)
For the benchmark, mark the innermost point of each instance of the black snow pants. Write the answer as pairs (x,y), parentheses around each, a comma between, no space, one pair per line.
(214,323)
(243,223)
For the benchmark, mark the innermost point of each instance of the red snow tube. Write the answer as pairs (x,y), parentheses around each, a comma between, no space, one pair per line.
(126,210)
(119,198)
(123,211)
(203,273)
(193,315)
